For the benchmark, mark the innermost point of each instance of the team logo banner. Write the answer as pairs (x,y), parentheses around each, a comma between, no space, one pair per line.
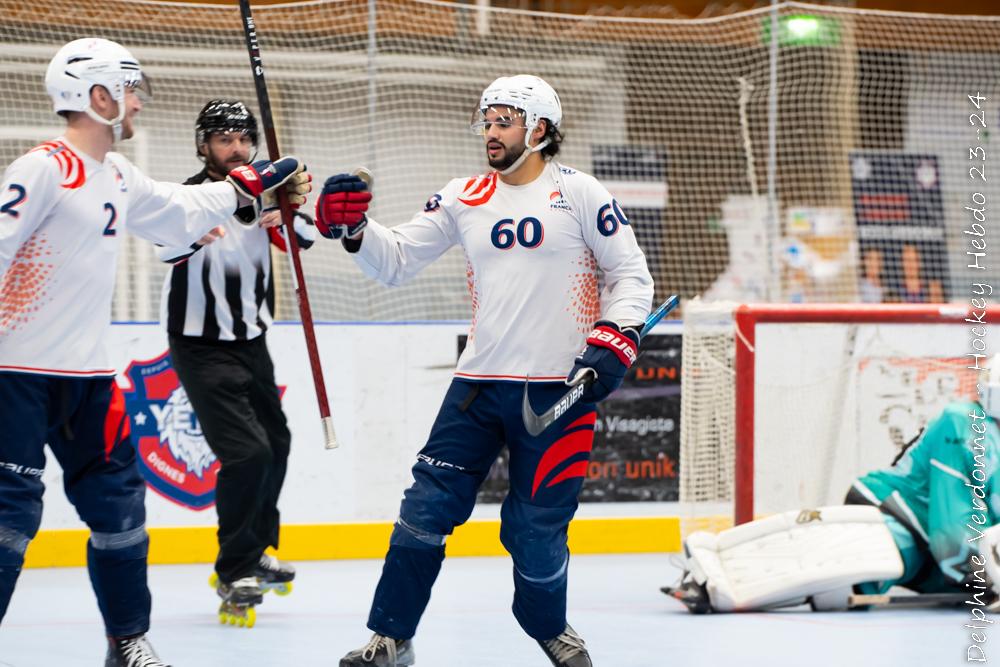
(173,455)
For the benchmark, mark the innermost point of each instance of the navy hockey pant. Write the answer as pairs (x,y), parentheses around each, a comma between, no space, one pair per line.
(84,422)
(546,473)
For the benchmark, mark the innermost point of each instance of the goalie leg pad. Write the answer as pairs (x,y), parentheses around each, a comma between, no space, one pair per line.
(786,559)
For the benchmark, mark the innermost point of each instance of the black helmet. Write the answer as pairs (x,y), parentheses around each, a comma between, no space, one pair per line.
(224,116)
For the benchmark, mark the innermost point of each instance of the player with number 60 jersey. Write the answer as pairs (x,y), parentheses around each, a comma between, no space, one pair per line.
(533,253)
(553,268)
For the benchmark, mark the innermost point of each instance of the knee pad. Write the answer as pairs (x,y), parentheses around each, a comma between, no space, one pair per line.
(131,541)
(407,535)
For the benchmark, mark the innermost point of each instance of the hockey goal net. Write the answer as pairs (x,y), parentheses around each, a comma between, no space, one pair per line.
(783,405)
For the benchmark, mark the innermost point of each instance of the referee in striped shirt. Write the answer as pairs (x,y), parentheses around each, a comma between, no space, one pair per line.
(217,303)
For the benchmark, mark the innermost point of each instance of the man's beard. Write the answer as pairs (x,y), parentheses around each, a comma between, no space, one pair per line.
(218,169)
(509,158)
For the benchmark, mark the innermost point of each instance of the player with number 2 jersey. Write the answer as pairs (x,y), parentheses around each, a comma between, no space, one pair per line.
(63,209)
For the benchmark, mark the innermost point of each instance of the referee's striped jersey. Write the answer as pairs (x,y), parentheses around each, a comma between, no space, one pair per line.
(225,290)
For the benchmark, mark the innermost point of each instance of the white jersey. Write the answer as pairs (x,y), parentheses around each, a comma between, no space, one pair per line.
(533,254)
(62,214)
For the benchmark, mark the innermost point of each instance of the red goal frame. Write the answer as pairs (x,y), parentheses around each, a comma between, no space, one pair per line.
(748,316)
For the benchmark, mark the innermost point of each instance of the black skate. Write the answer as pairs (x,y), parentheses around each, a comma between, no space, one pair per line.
(381,651)
(238,601)
(567,650)
(693,595)
(133,652)
(273,575)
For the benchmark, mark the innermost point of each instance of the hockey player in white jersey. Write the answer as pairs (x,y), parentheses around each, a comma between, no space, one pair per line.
(63,208)
(537,236)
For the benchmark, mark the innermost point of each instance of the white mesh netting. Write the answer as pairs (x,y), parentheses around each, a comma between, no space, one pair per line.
(672,113)
(830,401)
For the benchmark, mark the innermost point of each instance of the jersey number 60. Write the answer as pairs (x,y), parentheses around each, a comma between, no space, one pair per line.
(529,233)
(609,217)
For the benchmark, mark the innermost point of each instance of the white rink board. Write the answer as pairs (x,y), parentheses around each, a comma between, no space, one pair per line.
(385,384)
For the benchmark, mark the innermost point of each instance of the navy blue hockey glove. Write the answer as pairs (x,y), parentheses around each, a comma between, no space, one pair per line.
(252,181)
(341,207)
(610,352)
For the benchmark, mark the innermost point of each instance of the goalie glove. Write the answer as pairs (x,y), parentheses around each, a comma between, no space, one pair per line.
(611,350)
(253,182)
(341,208)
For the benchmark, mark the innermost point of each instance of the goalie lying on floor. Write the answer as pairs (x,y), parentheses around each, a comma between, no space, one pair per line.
(927,523)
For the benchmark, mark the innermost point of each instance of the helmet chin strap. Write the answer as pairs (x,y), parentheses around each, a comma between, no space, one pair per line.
(115,124)
(528,150)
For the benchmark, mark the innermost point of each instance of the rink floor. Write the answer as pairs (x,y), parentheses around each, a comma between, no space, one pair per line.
(614,603)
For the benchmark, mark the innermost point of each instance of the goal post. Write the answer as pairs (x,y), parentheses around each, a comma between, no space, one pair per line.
(806,397)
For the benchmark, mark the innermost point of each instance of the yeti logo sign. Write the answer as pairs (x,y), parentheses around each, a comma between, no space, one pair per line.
(172,452)
(807,516)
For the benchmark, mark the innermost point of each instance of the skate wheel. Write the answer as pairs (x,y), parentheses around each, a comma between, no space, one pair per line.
(213,580)
(241,617)
(283,589)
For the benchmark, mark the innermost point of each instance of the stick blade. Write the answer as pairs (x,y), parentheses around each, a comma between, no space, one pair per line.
(533,424)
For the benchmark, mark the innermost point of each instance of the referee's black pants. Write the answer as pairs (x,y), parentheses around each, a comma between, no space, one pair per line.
(231,387)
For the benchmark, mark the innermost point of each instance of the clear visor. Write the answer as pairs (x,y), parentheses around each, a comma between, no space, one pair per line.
(502,116)
(140,84)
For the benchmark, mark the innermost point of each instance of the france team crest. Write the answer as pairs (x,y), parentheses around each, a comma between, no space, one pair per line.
(171,449)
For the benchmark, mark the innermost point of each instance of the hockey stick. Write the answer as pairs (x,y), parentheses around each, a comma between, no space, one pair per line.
(907,601)
(535,424)
(264,102)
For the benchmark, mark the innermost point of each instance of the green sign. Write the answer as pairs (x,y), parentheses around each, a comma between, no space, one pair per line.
(803,30)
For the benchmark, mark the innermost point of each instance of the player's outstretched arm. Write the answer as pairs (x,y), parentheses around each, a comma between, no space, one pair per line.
(177,216)
(390,255)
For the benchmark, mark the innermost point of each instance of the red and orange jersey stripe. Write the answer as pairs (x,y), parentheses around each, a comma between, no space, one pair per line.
(478,190)
(70,165)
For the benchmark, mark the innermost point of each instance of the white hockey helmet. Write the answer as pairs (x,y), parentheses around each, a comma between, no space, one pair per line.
(528,93)
(84,63)
(989,387)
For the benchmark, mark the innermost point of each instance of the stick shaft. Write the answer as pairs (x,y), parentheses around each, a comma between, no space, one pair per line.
(920,600)
(287,219)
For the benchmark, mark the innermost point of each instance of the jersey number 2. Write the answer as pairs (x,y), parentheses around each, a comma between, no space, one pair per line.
(19,196)
(109,229)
